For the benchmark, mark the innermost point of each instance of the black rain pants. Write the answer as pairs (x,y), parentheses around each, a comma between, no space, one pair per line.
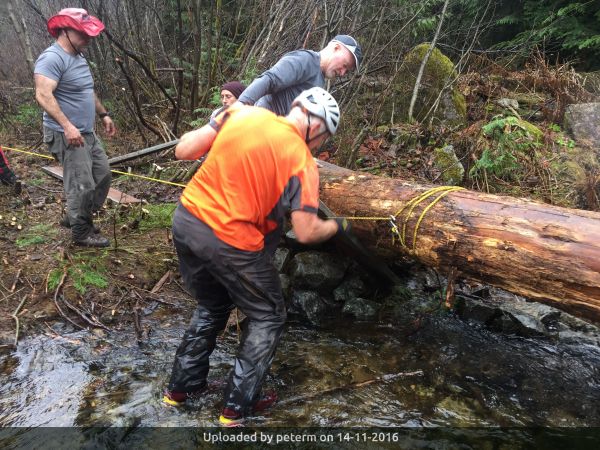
(220,277)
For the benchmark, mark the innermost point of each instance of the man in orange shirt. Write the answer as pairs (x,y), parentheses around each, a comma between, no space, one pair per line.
(226,230)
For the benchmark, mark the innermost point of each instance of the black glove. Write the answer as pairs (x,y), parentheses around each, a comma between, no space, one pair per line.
(343,226)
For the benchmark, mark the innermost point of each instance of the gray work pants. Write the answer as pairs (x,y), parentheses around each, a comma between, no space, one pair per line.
(220,277)
(86,178)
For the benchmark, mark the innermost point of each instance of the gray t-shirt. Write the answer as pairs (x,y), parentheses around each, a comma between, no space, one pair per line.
(276,88)
(75,90)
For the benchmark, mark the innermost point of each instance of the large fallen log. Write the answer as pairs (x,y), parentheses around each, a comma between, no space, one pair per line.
(542,252)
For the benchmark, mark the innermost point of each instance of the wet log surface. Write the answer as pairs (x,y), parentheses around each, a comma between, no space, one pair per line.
(542,252)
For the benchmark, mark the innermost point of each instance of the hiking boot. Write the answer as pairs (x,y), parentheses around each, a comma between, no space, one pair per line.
(175,398)
(230,418)
(93,240)
(64,222)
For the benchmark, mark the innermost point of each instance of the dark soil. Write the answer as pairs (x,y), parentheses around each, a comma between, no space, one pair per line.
(36,251)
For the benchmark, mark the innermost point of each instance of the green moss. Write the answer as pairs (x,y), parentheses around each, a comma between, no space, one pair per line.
(533,131)
(460,102)
(439,71)
(439,67)
(452,171)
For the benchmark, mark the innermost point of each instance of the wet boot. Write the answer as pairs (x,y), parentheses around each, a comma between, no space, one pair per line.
(176,398)
(229,418)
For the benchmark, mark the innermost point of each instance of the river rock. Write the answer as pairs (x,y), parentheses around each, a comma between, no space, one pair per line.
(476,310)
(582,121)
(513,322)
(578,338)
(281,258)
(310,305)
(426,279)
(508,313)
(351,287)
(318,271)
(361,308)
(285,285)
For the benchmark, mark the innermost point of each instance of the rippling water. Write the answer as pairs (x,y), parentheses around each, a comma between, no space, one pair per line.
(444,373)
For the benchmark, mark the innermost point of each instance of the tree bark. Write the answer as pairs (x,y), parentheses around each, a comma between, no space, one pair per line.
(21,30)
(545,253)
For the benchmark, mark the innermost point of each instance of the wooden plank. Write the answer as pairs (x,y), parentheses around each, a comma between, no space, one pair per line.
(143,152)
(113,194)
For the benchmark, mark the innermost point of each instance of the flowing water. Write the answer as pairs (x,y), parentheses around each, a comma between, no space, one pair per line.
(445,373)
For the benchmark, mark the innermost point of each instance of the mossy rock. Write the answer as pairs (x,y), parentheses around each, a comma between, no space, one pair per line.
(439,70)
(512,125)
(446,161)
(518,153)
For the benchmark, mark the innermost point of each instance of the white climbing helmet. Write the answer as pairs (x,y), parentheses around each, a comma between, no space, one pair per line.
(320,103)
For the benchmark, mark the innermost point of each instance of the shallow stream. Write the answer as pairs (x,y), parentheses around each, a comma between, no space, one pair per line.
(444,373)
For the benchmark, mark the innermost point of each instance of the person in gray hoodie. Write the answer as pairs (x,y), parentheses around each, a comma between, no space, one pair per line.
(299,70)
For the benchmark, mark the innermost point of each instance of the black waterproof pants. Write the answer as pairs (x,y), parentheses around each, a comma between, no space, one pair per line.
(220,277)
(7,176)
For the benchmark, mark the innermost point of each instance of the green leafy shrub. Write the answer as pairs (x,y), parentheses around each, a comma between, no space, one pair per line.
(511,144)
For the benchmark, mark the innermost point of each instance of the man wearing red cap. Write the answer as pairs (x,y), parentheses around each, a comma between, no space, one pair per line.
(64,88)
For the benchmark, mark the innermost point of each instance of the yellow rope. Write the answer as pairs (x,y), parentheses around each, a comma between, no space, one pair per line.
(443,194)
(113,171)
(411,204)
(414,202)
(25,151)
(148,178)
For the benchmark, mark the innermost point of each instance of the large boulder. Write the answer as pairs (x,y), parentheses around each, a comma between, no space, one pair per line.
(437,77)
(318,271)
(361,308)
(310,305)
(583,122)
(350,288)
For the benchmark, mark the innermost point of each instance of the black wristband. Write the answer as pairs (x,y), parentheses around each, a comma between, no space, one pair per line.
(104,114)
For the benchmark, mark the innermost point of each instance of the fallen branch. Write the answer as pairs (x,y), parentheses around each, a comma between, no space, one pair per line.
(60,311)
(6,297)
(14,316)
(150,295)
(83,314)
(14,285)
(383,378)
(161,282)
(449,303)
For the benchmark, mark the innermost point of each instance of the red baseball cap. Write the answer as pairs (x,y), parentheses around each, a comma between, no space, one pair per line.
(77,19)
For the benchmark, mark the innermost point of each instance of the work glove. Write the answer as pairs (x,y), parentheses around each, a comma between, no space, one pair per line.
(343,227)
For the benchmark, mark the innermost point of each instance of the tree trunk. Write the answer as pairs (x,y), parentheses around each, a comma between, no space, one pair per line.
(21,29)
(542,252)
